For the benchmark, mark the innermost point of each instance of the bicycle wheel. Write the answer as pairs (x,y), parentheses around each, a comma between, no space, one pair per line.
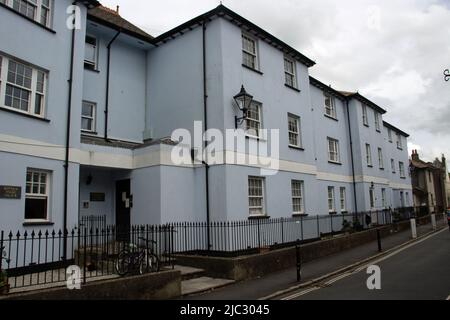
(150,264)
(123,263)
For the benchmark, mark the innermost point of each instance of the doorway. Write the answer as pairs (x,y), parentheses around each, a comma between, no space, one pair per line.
(123,210)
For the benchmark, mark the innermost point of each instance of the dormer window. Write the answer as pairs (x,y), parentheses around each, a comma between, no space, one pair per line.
(364,115)
(290,72)
(330,108)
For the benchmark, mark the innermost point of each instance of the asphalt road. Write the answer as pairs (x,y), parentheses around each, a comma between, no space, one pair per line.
(419,272)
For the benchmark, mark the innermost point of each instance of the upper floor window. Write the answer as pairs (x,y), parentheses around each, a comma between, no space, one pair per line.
(294,131)
(90,53)
(364,114)
(330,108)
(333,150)
(253,120)
(380,158)
(393,165)
(37,10)
(256,196)
(399,141)
(290,72)
(37,195)
(249,52)
(401,167)
(22,87)
(390,135)
(88,113)
(377,121)
(368,155)
(298,206)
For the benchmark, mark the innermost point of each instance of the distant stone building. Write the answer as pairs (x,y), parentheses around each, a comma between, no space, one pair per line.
(442,164)
(429,181)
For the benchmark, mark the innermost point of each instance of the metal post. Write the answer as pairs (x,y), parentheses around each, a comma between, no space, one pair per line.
(413,228)
(318,227)
(299,261)
(379,240)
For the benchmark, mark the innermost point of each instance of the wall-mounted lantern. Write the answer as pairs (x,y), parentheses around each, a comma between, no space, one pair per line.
(446,74)
(243,101)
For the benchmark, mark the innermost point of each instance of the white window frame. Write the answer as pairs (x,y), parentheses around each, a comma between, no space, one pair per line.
(262,208)
(38,5)
(330,110)
(343,199)
(333,153)
(299,198)
(297,133)
(92,65)
(369,155)
(93,118)
(377,121)
(390,135)
(33,90)
(288,74)
(372,198)
(380,158)
(258,122)
(393,165)
(365,115)
(383,198)
(253,54)
(38,195)
(401,168)
(399,141)
(331,200)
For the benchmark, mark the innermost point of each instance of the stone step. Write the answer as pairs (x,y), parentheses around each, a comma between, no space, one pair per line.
(202,284)
(188,273)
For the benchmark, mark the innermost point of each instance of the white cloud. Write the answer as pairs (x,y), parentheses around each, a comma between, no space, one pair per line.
(392,51)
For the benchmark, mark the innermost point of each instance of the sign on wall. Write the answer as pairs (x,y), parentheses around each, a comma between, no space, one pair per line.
(10,192)
(97,197)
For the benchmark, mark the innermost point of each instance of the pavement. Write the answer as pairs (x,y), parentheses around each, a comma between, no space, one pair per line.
(279,281)
(419,271)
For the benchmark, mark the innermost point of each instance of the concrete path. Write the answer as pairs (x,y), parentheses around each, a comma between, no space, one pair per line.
(265,286)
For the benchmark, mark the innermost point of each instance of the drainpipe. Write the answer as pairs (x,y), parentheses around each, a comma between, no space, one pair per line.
(67,146)
(205,120)
(352,160)
(107,82)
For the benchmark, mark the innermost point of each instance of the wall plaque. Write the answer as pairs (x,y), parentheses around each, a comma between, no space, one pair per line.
(10,192)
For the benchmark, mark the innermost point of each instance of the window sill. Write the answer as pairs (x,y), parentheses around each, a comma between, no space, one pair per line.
(299,215)
(291,87)
(296,148)
(260,217)
(247,136)
(38,223)
(89,133)
(252,69)
(91,69)
(24,114)
(344,211)
(27,18)
(400,148)
(370,166)
(378,130)
(366,125)
(332,213)
(403,178)
(330,117)
(335,162)
(382,169)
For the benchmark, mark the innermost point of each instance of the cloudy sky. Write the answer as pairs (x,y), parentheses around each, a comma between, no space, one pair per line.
(391,51)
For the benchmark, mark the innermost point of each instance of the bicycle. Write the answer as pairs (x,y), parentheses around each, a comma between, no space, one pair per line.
(141,260)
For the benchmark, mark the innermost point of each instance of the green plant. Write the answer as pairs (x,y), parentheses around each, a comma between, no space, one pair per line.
(346,226)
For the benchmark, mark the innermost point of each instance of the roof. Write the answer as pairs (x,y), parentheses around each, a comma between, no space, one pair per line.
(363,99)
(112,19)
(419,164)
(233,17)
(326,88)
(390,126)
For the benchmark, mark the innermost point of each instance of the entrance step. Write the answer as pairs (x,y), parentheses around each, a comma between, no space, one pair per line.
(188,273)
(202,284)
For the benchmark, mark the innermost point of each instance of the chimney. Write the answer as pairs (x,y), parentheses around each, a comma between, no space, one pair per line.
(117,9)
(415,155)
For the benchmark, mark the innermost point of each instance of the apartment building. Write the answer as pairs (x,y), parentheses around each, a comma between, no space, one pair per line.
(88,116)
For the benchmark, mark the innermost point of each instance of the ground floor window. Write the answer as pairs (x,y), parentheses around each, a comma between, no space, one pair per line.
(372,198)
(343,199)
(256,196)
(37,195)
(331,205)
(383,198)
(297,197)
